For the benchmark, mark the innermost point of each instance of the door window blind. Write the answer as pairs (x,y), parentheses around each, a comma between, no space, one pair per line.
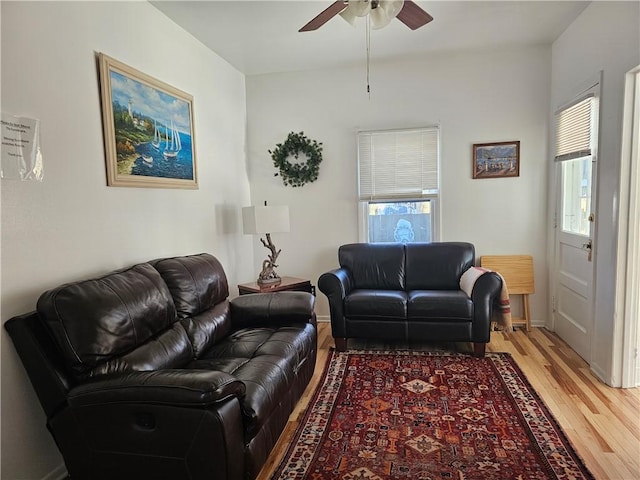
(573,130)
(398,164)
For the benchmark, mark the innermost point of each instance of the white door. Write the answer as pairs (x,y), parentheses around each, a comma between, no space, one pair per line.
(628,298)
(573,300)
(574,254)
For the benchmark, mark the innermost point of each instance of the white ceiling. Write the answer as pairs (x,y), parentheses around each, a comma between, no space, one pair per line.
(259,37)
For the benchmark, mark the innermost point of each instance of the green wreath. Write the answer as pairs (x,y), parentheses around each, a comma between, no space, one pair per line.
(297,174)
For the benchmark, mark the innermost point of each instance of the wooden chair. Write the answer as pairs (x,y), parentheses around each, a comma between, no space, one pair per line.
(517,271)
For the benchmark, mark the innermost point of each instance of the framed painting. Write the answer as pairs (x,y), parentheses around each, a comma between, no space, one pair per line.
(148,129)
(496,160)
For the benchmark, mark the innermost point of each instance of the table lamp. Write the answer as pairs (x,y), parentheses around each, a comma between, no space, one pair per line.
(267,220)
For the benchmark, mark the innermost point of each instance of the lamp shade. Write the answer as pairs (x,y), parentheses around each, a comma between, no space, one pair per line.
(265,219)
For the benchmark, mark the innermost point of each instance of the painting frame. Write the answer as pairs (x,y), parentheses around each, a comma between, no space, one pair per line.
(136,153)
(496,160)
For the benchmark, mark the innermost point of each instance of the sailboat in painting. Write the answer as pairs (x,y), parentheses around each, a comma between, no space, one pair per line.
(156,136)
(173,144)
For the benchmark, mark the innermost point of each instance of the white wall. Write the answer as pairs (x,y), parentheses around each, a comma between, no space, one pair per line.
(72,225)
(475,97)
(605,37)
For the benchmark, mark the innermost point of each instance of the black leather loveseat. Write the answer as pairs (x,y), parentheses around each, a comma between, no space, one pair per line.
(152,373)
(409,292)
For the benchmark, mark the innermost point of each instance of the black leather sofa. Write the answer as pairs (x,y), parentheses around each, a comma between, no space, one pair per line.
(152,373)
(409,292)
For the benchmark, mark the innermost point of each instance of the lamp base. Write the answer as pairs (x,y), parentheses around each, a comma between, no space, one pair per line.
(268,275)
(269,281)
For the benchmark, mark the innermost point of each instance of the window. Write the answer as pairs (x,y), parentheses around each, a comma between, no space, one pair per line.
(576,195)
(398,185)
(574,149)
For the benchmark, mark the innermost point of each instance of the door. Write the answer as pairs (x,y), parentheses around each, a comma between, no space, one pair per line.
(628,298)
(573,300)
(575,265)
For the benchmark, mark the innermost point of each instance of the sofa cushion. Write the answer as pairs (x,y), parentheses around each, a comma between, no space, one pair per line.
(208,327)
(374,265)
(199,289)
(439,305)
(120,322)
(196,282)
(437,266)
(365,304)
(266,360)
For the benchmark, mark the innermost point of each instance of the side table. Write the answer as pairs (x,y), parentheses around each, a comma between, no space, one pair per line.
(291,284)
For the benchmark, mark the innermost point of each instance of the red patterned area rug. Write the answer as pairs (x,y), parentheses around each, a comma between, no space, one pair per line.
(427,416)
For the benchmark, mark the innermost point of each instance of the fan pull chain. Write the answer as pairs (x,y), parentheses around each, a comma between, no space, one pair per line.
(368,40)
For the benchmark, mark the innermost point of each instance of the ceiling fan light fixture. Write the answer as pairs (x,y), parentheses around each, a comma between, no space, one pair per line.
(391,7)
(407,11)
(384,12)
(360,8)
(355,9)
(349,16)
(381,12)
(379,18)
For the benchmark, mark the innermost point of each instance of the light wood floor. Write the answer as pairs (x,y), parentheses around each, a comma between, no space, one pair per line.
(603,423)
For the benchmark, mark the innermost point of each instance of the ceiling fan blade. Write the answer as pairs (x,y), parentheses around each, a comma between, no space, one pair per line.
(413,16)
(334,9)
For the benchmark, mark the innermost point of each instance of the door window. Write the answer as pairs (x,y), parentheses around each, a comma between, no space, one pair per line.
(576,195)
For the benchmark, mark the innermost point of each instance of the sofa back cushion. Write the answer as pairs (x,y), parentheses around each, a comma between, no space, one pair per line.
(437,266)
(123,321)
(199,289)
(374,265)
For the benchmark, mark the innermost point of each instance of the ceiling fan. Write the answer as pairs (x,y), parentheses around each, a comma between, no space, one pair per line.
(381,12)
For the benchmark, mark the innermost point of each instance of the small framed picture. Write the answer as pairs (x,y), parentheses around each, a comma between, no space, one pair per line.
(496,160)
(148,129)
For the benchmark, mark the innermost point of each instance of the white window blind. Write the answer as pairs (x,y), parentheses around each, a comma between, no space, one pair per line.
(398,164)
(573,130)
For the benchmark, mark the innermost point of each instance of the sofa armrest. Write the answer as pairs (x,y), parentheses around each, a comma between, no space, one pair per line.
(485,290)
(269,309)
(336,285)
(165,387)
(41,359)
